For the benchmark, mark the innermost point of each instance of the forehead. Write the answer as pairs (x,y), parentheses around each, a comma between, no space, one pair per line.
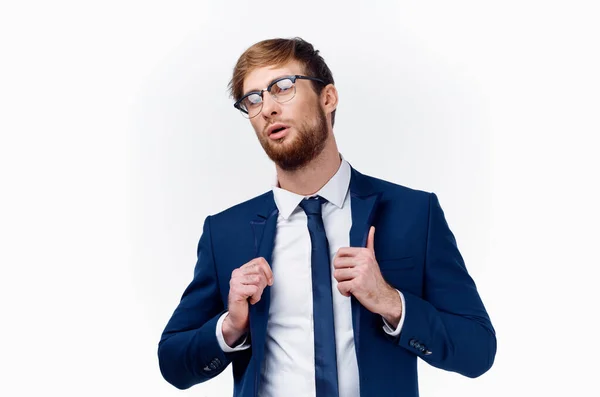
(260,78)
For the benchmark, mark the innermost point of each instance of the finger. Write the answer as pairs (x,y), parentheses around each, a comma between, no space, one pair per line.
(371,239)
(345,261)
(259,266)
(250,265)
(252,279)
(255,297)
(348,251)
(266,270)
(344,274)
(242,292)
(345,288)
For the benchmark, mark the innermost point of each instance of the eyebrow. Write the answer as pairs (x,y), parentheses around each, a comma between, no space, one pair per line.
(259,89)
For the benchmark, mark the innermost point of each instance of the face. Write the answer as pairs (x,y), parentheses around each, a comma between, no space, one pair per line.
(306,129)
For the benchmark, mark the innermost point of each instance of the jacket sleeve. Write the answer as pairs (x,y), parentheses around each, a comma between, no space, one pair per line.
(449,327)
(188,351)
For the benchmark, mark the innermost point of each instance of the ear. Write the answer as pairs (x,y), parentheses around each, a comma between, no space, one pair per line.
(329,98)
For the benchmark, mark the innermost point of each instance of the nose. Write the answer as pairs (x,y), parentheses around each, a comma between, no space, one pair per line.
(270,106)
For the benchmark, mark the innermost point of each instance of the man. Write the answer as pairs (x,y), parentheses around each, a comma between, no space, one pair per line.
(334,282)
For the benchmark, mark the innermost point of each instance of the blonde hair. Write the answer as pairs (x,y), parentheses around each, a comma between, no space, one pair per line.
(275,52)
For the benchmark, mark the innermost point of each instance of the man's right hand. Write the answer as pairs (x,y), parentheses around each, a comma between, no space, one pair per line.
(246,285)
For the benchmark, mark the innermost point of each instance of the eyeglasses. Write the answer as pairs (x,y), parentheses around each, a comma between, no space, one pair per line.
(282,90)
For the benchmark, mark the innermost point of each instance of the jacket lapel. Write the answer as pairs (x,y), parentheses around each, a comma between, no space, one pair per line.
(363,203)
(264,226)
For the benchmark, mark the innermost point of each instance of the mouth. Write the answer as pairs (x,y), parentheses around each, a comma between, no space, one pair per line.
(277,131)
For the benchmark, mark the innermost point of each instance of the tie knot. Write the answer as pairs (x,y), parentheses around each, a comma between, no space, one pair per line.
(312,205)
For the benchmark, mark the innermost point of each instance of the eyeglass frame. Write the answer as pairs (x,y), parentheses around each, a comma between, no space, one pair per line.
(293,78)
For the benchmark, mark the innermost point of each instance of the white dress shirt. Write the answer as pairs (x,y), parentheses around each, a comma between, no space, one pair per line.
(289,348)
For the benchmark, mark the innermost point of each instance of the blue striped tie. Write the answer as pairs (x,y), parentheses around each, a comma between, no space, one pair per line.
(326,379)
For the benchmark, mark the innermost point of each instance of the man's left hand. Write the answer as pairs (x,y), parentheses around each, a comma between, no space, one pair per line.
(357,273)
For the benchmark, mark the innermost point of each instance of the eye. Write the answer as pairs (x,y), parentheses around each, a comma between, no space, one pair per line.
(252,100)
(282,86)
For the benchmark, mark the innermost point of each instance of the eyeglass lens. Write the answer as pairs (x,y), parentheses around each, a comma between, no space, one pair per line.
(282,91)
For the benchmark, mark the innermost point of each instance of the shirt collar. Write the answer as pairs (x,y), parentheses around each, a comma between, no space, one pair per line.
(334,191)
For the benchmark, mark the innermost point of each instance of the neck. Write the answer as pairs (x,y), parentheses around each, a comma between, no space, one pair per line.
(312,177)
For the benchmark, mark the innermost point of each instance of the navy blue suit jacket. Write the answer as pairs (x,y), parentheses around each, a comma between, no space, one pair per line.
(445,323)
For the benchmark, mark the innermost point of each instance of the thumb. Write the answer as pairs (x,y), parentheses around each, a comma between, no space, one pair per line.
(371,239)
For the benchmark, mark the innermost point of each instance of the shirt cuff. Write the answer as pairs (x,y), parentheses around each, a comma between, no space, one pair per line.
(221,339)
(387,327)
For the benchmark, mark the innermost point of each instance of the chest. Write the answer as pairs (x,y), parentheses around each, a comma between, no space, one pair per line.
(291,293)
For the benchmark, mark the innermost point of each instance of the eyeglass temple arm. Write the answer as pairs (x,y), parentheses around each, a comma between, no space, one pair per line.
(298,76)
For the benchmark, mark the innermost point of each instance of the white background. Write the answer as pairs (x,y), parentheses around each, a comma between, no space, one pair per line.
(118,138)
